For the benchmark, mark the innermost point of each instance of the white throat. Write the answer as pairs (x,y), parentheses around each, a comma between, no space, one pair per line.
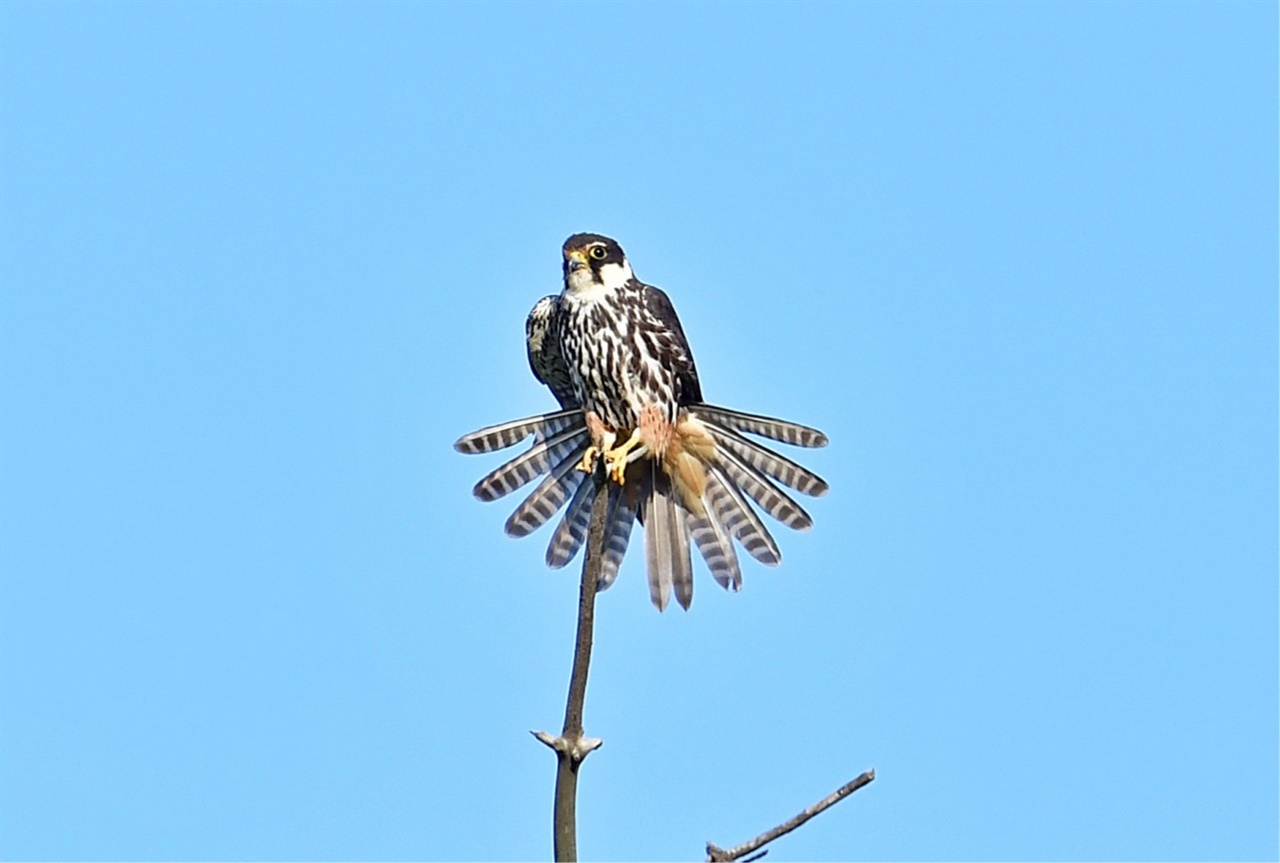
(583,286)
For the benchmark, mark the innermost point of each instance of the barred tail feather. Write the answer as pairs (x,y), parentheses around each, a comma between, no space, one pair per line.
(572,529)
(510,433)
(716,548)
(666,543)
(543,502)
(739,518)
(657,550)
(617,536)
(681,562)
(523,468)
(770,427)
(771,499)
(768,462)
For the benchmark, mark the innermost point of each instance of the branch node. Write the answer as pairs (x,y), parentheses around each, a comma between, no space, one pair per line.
(584,746)
(576,749)
(554,742)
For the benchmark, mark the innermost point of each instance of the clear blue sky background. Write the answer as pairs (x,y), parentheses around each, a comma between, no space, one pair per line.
(260,265)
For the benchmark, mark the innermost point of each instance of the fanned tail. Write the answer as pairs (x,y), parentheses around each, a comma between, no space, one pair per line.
(700,493)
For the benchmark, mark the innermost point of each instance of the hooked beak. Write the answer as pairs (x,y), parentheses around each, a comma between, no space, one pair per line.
(574,261)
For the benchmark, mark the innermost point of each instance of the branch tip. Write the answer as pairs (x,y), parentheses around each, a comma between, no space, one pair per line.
(716,854)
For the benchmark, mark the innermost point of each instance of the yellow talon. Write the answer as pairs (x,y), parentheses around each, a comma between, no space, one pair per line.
(588,463)
(615,462)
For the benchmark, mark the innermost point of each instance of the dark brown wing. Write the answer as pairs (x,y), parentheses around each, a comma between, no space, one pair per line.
(542,339)
(660,309)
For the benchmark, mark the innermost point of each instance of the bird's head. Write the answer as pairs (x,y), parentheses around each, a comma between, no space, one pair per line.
(593,262)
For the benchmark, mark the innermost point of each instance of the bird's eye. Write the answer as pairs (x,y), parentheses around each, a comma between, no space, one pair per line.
(599,253)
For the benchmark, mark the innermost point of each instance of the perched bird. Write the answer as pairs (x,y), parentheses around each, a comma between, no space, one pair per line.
(612,351)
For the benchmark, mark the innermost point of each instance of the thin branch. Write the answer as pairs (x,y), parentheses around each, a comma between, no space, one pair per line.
(715,854)
(571,747)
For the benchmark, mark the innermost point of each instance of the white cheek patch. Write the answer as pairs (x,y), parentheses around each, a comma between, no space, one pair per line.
(615,276)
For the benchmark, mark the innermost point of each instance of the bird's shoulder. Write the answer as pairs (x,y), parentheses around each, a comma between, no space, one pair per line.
(662,312)
(541,338)
(659,306)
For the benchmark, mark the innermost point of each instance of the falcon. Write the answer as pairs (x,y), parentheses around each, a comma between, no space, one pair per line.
(613,353)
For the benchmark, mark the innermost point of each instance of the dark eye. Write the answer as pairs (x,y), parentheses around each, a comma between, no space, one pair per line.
(599,253)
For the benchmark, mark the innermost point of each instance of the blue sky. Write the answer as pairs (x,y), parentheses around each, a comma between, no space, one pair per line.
(261,264)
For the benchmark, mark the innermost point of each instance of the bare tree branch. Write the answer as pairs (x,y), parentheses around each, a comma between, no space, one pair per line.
(715,854)
(571,747)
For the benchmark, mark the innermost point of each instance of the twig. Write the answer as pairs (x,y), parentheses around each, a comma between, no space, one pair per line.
(571,747)
(715,854)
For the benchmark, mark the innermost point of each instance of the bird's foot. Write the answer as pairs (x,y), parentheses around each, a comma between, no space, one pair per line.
(616,459)
(615,465)
(588,463)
